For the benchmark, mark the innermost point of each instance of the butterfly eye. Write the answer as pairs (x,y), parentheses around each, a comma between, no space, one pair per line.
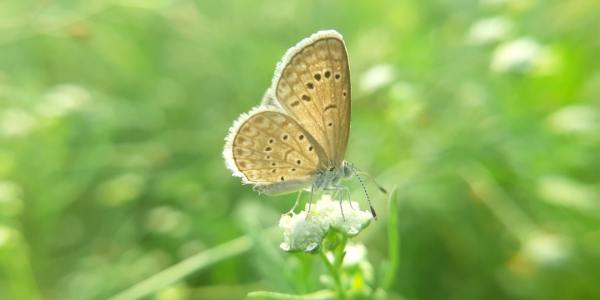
(317,76)
(301,137)
(337,76)
(327,74)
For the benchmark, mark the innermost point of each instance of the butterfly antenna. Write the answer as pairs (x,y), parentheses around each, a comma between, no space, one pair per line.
(366,194)
(381,188)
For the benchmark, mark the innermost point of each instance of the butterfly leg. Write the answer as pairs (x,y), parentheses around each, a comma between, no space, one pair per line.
(312,189)
(341,189)
(347,190)
(291,211)
(341,199)
(337,191)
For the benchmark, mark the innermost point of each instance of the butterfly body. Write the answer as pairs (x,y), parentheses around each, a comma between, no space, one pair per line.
(331,177)
(296,138)
(326,179)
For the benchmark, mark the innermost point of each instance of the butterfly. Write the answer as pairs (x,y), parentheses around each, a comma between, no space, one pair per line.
(297,137)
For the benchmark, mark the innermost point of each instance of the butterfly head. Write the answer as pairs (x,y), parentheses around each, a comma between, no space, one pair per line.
(332,174)
(347,169)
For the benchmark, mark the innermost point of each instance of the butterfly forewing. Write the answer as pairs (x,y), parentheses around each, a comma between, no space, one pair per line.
(313,86)
(268,147)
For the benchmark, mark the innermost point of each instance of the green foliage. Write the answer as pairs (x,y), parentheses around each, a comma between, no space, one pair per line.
(484,115)
(391,265)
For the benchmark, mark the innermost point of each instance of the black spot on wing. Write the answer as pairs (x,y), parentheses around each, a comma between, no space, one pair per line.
(330,106)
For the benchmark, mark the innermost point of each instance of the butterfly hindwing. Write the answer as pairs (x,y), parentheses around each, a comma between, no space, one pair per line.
(267,147)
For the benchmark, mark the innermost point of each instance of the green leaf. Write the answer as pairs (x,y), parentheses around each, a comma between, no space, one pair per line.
(393,242)
(193,264)
(318,295)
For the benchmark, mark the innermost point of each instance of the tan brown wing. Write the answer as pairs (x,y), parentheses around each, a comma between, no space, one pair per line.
(267,147)
(312,83)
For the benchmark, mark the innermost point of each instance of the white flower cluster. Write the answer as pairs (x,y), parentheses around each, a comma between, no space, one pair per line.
(302,233)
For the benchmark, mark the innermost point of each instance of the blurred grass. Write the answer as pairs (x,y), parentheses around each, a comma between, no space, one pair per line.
(113,114)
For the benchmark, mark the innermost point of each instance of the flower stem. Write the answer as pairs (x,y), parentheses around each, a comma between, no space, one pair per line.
(334,269)
(340,252)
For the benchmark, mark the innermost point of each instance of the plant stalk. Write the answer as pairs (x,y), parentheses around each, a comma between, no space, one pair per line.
(335,268)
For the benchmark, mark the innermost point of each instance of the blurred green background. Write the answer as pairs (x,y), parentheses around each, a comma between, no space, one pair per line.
(485,115)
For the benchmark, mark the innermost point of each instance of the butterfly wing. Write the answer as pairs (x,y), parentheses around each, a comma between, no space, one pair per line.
(312,84)
(271,150)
